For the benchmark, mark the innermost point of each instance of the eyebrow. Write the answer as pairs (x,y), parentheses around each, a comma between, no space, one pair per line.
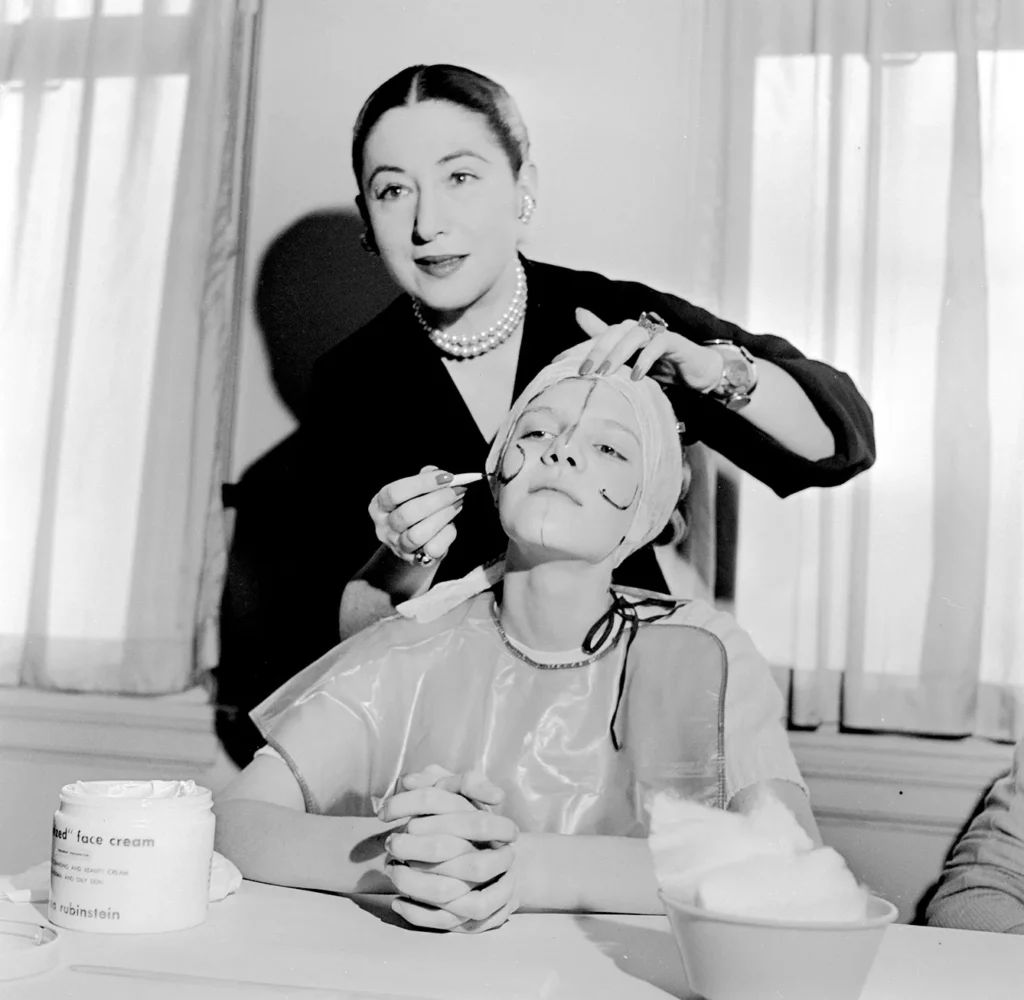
(385,168)
(463,152)
(604,420)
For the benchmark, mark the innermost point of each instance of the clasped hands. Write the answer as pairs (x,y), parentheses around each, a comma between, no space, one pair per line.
(454,862)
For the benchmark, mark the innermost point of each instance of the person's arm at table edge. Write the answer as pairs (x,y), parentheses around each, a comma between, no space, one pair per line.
(982,884)
(271,839)
(262,826)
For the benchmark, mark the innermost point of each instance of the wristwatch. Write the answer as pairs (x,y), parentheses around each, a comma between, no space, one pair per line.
(739,374)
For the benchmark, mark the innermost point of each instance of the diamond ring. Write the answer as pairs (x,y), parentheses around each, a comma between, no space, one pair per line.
(652,323)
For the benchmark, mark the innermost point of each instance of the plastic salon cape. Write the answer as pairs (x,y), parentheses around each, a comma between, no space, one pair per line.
(403,694)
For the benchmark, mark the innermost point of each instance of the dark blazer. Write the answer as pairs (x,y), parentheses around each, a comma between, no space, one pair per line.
(382,406)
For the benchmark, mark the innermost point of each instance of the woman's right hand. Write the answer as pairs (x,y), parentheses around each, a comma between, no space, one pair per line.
(415,515)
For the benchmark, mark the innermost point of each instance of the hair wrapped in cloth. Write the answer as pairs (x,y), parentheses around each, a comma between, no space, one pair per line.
(661,452)
(660,484)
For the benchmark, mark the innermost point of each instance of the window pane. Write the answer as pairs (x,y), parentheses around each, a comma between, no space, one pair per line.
(74,8)
(128,199)
(33,229)
(1002,136)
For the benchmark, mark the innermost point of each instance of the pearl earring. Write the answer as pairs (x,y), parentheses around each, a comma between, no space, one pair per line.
(369,245)
(529,204)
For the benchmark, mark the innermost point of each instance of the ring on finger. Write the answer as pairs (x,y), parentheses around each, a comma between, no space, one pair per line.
(653,324)
(422,558)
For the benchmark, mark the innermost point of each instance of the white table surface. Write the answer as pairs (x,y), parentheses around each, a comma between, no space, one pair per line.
(286,936)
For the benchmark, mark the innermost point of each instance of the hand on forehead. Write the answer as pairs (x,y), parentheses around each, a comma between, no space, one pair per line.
(635,413)
(591,402)
(576,418)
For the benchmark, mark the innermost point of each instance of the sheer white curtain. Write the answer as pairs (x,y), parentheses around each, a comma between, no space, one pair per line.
(855,172)
(119,177)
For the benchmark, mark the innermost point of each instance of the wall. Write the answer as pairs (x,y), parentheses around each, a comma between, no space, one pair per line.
(604,124)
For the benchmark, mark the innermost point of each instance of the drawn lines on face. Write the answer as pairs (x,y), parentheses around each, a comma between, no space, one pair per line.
(579,417)
(504,479)
(604,496)
(565,437)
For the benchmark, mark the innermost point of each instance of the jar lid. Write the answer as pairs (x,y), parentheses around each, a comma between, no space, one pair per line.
(26,949)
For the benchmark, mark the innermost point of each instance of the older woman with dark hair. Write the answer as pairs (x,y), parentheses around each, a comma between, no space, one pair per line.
(447,191)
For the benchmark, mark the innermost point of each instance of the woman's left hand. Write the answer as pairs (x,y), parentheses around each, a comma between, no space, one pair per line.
(455,864)
(668,357)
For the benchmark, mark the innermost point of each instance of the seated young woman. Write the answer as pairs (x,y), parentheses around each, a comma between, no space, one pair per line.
(495,744)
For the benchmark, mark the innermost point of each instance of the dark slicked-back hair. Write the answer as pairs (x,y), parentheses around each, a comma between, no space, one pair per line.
(456,85)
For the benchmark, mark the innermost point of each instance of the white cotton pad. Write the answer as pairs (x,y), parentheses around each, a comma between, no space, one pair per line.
(758,864)
(775,824)
(815,887)
(688,839)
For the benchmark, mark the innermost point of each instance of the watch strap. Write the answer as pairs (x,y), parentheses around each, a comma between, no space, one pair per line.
(739,374)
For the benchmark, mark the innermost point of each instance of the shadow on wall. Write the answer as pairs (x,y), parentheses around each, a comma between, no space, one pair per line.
(279,604)
(315,286)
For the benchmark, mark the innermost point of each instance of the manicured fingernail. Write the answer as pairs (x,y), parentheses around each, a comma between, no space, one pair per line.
(635,375)
(459,490)
(603,368)
(443,477)
(586,366)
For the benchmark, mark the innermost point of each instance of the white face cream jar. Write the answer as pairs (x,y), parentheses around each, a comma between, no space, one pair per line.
(131,856)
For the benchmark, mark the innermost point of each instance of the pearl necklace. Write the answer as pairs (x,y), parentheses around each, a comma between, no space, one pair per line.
(475,344)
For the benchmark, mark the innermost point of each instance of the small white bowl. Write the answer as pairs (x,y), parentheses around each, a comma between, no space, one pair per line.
(743,958)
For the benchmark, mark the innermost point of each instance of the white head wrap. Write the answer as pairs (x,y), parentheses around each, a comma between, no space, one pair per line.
(661,453)
(660,484)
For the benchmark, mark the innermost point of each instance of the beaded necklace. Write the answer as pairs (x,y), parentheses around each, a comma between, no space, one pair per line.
(519,654)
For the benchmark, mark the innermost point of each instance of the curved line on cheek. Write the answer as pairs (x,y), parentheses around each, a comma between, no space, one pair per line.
(505,480)
(604,496)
